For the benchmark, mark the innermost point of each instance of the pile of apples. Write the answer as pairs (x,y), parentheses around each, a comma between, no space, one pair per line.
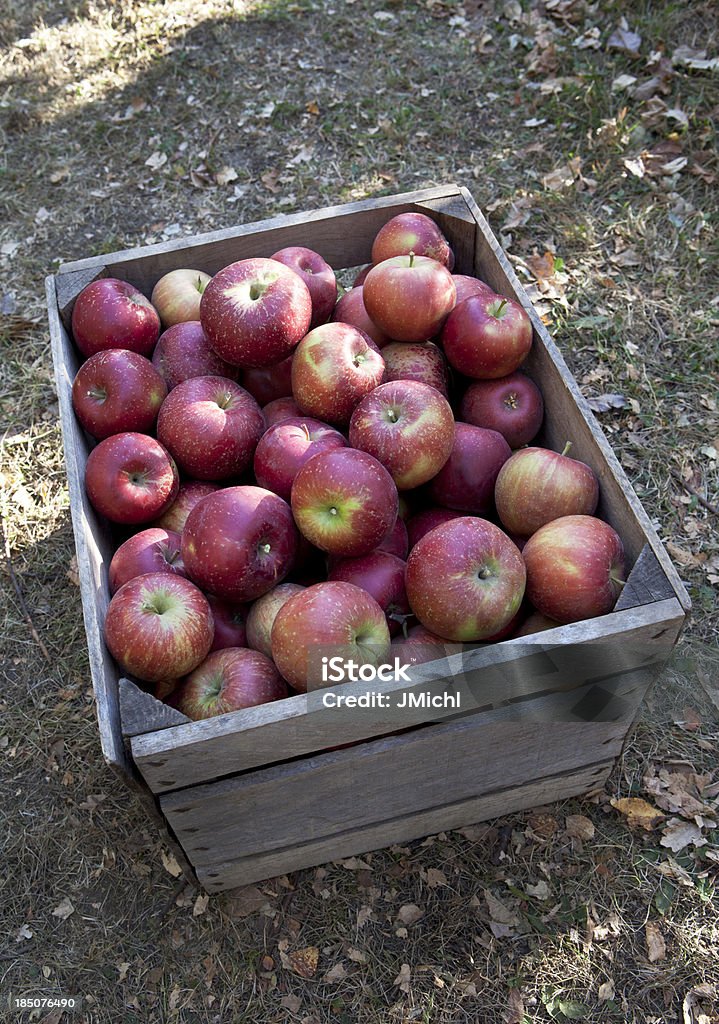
(296,475)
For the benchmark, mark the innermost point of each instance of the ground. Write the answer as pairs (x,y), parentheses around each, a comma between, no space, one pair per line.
(588,133)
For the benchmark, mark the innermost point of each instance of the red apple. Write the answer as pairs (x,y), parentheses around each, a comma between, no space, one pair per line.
(280,409)
(351,310)
(467,286)
(420,646)
(263,613)
(410,232)
(360,278)
(487,336)
(575,568)
(286,446)
(408,427)
(513,405)
(465,580)
(381,575)
(110,313)
(211,426)
(230,621)
(255,311)
(158,626)
(317,274)
(537,485)
(536,623)
(229,680)
(344,502)
(177,295)
(151,550)
(396,541)
(239,542)
(183,351)
(467,479)
(327,620)
(421,361)
(424,521)
(190,492)
(266,383)
(409,297)
(334,367)
(117,390)
(131,478)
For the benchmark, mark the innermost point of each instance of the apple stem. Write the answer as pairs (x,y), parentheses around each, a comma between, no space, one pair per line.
(617,580)
(201,286)
(411,258)
(566,448)
(266,548)
(500,307)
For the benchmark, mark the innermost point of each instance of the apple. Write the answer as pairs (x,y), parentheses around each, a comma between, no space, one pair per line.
(177,295)
(115,391)
(467,286)
(266,383)
(255,311)
(229,680)
(410,232)
(344,502)
(421,361)
(317,274)
(151,550)
(409,297)
(351,310)
(420,645)
(331,619)
(239,542)
(513,405)
(286,446)
(408,426)
(424,521)
(487,336)
(280,409)
(183,351)
(537,485)
(190,492)
(360,278)
(262,614)
(109,313)
(396,541)
(536,623)
(575,568)
(131,478)
(465,580)
(211,426)
(467,479)
(158,626)
(230,621)
(381,575)
(334,366)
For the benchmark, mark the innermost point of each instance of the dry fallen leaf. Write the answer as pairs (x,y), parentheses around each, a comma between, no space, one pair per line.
(225,175)
(403,978)
(64,909)
(691,1005)
(434,877)
(603,403)
(656,946)
(291,1003)
(577,826)
(239,903)
(201,904)
(335,974)
(169,862)
(364,914)
(638,812)
(23,933)
(606,991)
(356,955)
(626,41)
(304,961)
(514,1014)
(679,834)
(540,891)
(409,913)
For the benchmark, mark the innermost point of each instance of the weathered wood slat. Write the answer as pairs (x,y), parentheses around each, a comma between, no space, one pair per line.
(647,582)
(140,711)
(216,877)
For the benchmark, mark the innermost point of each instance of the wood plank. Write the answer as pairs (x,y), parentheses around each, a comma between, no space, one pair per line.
(216,877)
(570,417)
(427,767)
(484,676)
(140,711)
(647,582)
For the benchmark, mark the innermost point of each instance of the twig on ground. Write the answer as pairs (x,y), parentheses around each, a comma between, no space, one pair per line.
(697,494)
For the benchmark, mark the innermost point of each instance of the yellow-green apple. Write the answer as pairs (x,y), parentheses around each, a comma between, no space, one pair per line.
(409,297)
(575,568)
(286,446)
(327,620)
(513,405)
(351,310)
(239,542)
(419,360)
(381,575)
(131,478)
(408,426)
(255,311)
(230,621)
(211,426)
(467,285)
(487,336)
(183,351)
(190,492)
(410,232)
(317,274)
(263,613)
(158,626)
(421,523)
(177,295)
(396,541)
(344,502)
(280,409)
(333,367)
(230,679)
(266,383)
(110,313)
(467,479)
(151,550)
(537,485)
(465,580)
(117,390)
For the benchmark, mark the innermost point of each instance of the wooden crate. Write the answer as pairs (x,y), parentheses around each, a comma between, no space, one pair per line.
(256,793)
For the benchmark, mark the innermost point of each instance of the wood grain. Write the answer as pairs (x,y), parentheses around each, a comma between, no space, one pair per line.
(140,711)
